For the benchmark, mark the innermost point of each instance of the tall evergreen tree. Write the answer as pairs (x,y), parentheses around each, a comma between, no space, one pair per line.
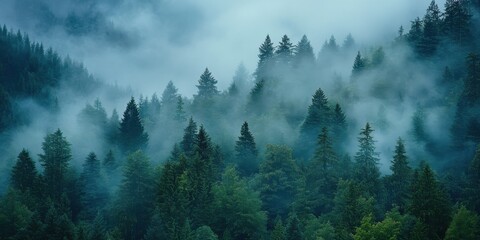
(429,203)
(398,183)
(132,134)
(169,99)
(464,225)
(322,177)
(456,21)
(94,192)
(246,152)
(359,65)
(318,117)
(134,204)
(293,229)
(206,86)
(366,171)
(415,34)
(284,52)
(188,142)
(431,30)
(55,161)
(339,127)
(265,57)
(278,180)
(473,174)
(304,53)
(24,174)
(180,115)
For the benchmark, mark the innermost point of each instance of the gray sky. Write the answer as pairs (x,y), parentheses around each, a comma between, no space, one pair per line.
(176,40)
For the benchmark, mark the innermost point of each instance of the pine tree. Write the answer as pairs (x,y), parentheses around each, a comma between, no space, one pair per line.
(284,52)
(113,128)
(278,180)
(304,55)
(431,30)
(94,192)
(322,178)
(109,162)
(246,152)
(398,183)
(339,127)
(132,134)
(359,65)
(429,203)
(456,21)
(278,232)
(169,99)
(265,56)
(293,229)
(206,86)
(6,110)
(464,225)
(256,102)
(55,161)
(180,115)
(415,34)
(318,117)
(349,42)
(24,174)
(366,170)
(237,208)
(134,204)
(188,142)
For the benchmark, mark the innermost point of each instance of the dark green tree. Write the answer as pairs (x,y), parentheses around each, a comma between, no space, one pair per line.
(134,204)
(109,162)
(431,30)
(206,86)
(322,175)
(429,203)
(94,192)
(473,174)
(237,208)
(293,229)
(278,231)
(265,59)
(456,21)
(188,142)
(278,180)
(318,116)
(24,174)
(246,152)
(6,110)
(132,135)
(397,184)
(415,34)
(366,172)
(55,161)
(180,115)
(359,65)
(169,99)
(464,225)
(339,127)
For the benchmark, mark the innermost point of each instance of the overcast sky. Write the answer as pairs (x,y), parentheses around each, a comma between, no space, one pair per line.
(176,40)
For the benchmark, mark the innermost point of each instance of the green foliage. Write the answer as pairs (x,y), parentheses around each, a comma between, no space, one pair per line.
(473,192)
(304,56)
(93,189)
(237,208)
(246,152)
(464,225)
(265,56)
(204,233)
(293,229)
(367,174)
(359,65)
(55,161)
(132,135)
(278,180)
(284,52)
(429,203)
(387,229)
(397,185)
(188,141)
(278,231)
(24,174)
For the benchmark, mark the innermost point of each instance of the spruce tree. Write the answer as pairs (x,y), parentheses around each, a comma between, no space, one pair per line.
(293,229)
(464,225)
(359,65)
(169,99)
(132,135)
(304,55)
(180,115)
(318,117)
(429,203)
(284,52)
(339,127)
(473,174)
(55,161)
(246,152)
(431,30)
(398,183)
(206,86)
(265,57)
(322,174)
(109,162)
(188,142)
(94,192)
(366,171)
(456,21)
(278,231)
(24,174)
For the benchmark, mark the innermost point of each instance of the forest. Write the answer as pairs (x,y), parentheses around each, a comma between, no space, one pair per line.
(355,142)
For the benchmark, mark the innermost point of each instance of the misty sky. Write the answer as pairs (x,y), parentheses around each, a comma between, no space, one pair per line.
(176,40)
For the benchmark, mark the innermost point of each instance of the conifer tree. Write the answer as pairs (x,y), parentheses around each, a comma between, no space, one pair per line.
(398,183)
(278,231)
(293,229)
(180,115)
(304,53)
(339,126)
(55,161)
(24,174)
(464,225)
(429,203)
(322,178)
(206,86)
(456,21)
(366,171)
(169,99)
(431,30)
(415,34)
(188,142)
(318,117)
(473,174)
(265,57)
(94,192)
(246,152)
(109,162)
(359,65)
(284,52)
(278,180)
(132,134)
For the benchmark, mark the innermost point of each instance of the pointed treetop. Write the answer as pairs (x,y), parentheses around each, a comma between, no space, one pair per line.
(207,85)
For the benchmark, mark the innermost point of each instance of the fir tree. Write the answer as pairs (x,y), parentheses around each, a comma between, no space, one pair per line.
(464,225)
(293,229)
(304,55)
(473,174)
(265,56)
(24,174)
(94,192)
(278,232)
(456,21)
(132,134)
(339,126)
(366,170)
(359,65)
(246,152)
(206,86)
(169,99)
(188,142)
(398,183)
(55,161)
(109,162)
(431,30)
(180,115)
(284,52)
